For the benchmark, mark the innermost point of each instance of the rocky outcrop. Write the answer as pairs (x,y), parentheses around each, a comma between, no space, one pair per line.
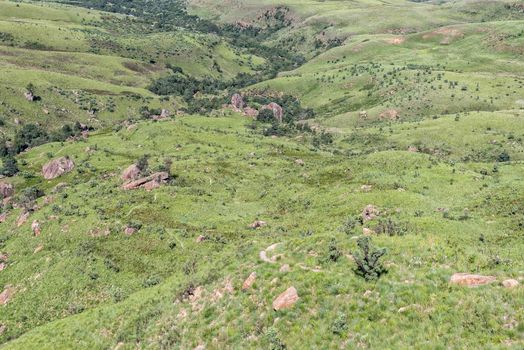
(148,182)
(370,212)
(132,172)
(237,102)
(6,190)
(57,167)
(250,280)
(471,280)
(286,299)
(278,112)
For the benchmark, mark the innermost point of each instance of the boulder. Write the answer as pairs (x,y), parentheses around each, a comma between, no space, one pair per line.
(366,188)
(367,232)
(300,162)
(510,283)
(132,172)
(201,239)
(29,96)
(237,102)
(363,115)
(286,299)
(370,212)
(6,295)
(249,281)
(257,224)
(3,217)
(35,226)
(6,190)
(38,249)
(148,182)
(57,167)
(471,280)
(129,231)
(278,112)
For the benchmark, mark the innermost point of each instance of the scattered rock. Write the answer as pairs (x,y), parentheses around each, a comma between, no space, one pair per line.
(57,167)
(273,259)
(249,281)
(367,232)
(3,266)
(132,172)
(200,347)
(286,299)
(370,212)
(38,249)
(6,295)
(201,239)
(129,231)
(412,149)
(510,283)
(237,102)
(6,190)
(285,268)
(35,226)
(148,182)
(471,280)
(257,224)
(299,162)
(363,115)
(366,188)
(30,96)
(22,218)
(3,216)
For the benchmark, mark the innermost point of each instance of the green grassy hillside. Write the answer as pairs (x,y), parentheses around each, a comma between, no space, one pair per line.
(402,124)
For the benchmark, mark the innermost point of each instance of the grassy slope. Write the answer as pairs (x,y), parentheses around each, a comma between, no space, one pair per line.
(65,51)
(87,290)
(227,178)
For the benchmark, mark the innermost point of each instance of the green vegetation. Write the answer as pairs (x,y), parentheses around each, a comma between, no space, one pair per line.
(395,161)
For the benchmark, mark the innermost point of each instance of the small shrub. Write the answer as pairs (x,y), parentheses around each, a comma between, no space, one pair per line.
(340,324)
(368,261)
(274,341)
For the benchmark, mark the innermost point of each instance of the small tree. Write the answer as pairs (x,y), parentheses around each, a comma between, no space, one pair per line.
(368,261)
(10,167)
(266,116)
(143,164)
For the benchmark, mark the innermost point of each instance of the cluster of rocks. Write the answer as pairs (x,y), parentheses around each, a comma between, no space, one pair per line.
(132,179)
(238,105)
